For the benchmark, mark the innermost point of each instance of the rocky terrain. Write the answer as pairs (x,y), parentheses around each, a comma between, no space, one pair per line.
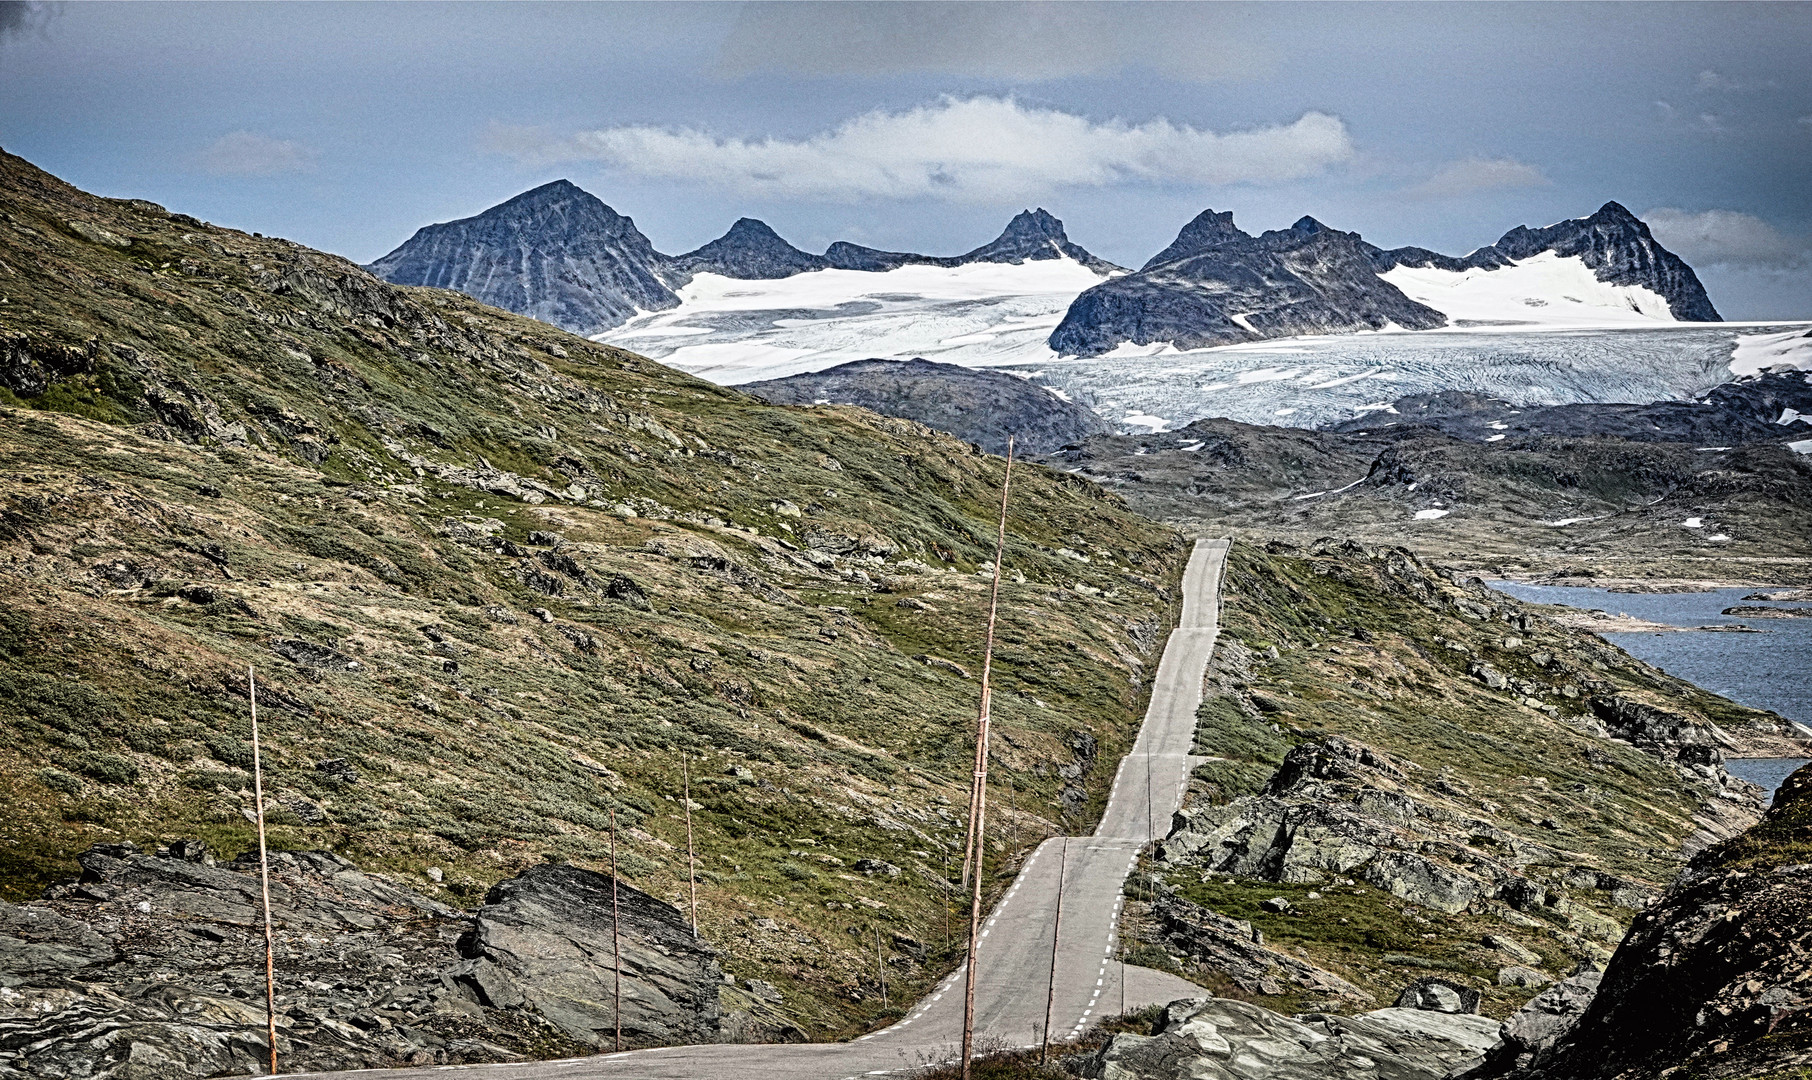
(499,582)
(1032,236)
(750,250)
(154,961)
(1410,774)
(982,407)
(1613,242)
(1699,490)
(1218,285)
(555,253)
(1712,980)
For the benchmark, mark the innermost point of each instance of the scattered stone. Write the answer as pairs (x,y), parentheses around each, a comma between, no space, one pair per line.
(1510,948)
(876,866)
(1277,905)
(1528,977)
(1439,995)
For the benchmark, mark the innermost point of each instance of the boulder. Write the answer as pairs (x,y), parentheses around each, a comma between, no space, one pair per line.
(1218,1039)
(1439,995)
(545,940)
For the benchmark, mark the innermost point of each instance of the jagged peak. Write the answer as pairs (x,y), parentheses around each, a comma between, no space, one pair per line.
(1038,224)
(1208,229)
(1308,225)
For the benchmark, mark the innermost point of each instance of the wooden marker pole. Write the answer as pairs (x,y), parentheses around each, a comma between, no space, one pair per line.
(1050,1001)
(264,875)
(691,860)
(978,798)
(616,938)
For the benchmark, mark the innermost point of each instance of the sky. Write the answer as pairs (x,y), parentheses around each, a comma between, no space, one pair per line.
(925,126)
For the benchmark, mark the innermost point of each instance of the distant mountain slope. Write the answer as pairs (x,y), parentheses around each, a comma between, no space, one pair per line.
(1218,285)
(555,253)
(1613,243)
(750,250)
(982,407)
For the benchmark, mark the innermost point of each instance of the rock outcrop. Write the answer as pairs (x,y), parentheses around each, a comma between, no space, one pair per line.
(982,407)
(1715,980)
(1218,1039)
(153,965)
(1218,285)
(555,253)
(1235,948)
(1613,242)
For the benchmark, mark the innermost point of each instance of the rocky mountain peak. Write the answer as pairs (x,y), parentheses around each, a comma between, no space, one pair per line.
(750,250)
(556,252)
(1308,226)
(1031,236)
(1205,232)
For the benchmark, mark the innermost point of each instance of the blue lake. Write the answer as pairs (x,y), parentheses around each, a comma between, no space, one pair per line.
(1770,670)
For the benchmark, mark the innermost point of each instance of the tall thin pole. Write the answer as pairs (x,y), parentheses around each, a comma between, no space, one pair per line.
(616,939)
(1050,1001)
(978,800)
(264,875)
(691,860)
(880,966)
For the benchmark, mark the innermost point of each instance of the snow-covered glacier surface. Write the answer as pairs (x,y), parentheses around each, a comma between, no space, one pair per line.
(1612,345)
(730,330)
(1545,289)
(1310,382)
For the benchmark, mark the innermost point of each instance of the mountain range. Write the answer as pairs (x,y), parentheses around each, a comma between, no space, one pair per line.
(560,254)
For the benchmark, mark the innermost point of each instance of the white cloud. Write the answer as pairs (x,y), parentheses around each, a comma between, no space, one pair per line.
(1727,237)
(246,153)
(1479,174)
(974,149)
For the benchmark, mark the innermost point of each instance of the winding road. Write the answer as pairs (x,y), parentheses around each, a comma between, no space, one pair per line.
(1015,951)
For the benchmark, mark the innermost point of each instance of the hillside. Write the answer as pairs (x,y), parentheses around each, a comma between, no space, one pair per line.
(498,582)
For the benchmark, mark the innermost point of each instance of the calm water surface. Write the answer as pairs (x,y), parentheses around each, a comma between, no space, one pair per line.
(1771,670)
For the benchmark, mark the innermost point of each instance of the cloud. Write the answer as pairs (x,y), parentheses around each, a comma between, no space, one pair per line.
(1471,175)
(977,149)
(1716,82)
(1726,237)
(246,153)
(1013,41)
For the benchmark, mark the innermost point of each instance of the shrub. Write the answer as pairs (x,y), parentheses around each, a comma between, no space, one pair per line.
(107,768)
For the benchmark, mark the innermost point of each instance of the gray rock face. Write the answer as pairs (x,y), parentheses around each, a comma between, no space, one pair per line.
(1613,242)
(980,406)
(152,966)
(1439,995)
(1235,948)
(544,940)
(554,253)
(751,251)
(1218,1039)
(1534,1029)
(1218,285)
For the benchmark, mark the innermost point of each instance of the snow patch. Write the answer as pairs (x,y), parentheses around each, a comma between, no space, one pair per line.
(1431,515)
(1801,446)
(1545,288)
(1756,353)
(1153,424)
(1693,523)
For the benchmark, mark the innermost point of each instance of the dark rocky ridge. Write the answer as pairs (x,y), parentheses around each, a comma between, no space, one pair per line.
(157,959)
(1218,285)
(751,251)
(979,406)
(1746,410)
(555,253)
(1713,980)
(1615,243)
(1032,236)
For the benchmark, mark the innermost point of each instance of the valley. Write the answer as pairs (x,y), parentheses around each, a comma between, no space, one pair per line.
(504,585)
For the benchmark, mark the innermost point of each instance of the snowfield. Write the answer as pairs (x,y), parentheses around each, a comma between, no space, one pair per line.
(998,315)
(1543,290)
(980,315)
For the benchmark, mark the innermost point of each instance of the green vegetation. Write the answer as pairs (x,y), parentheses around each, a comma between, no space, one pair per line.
(497,582)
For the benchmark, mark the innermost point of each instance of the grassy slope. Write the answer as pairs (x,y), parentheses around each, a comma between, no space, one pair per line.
(214,442)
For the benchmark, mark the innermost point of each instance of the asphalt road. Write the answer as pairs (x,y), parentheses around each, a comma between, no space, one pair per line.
(1015,951)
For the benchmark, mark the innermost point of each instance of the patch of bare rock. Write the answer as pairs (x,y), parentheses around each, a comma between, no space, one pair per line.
(152,965)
